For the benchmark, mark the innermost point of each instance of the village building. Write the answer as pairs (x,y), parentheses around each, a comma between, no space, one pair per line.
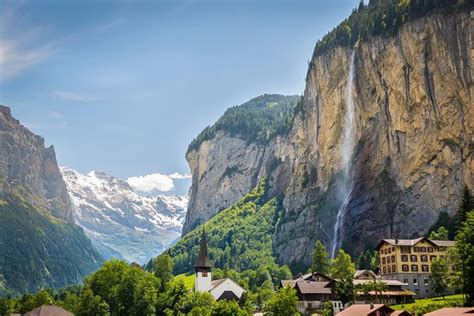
(49,310)
(409,261)
(394,291)
(313,290)
(220,289)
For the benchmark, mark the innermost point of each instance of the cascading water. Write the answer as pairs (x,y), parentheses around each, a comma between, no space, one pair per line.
(346,157)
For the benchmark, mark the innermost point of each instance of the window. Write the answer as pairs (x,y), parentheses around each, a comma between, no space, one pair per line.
(204,274)
(389,250)
(415,281)
(425,268)
(394,268)
(384,270)
(383,260)
(423,249)
(405,280)
(405,268)
(414,268)
(393,259)
(432,258)
(389,269)
(388,259)
(416,249)
(426,281)
(424,258)
(405,249)
(413,258)
(404,258)
(430,249)
(393,249)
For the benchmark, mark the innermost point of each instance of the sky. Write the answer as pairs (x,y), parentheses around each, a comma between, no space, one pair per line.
(124,86)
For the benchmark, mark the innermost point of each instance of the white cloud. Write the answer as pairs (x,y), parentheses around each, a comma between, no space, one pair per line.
(156,182)
(179,176)
(74,96)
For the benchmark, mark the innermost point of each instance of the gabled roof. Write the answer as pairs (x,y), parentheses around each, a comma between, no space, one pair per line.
(312,287)
(202,260)
(404,242)
(358,273)
(216,283)
(290,283)
(49,310)
(364,309)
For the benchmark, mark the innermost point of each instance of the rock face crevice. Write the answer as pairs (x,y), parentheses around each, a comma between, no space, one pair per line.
(413,96)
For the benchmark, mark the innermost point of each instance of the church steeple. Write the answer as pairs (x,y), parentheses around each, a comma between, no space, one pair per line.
(203,266)
(202,260)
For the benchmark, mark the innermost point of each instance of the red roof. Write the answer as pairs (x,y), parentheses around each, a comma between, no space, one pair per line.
(364,310)
(453,311)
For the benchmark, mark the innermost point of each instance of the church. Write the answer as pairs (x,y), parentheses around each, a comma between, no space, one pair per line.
(222,288)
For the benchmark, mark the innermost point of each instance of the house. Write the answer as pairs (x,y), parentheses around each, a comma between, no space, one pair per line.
(371,310)
(395,292)
(453,311)
(313,290)
(409,261)
(221,288)
(49,310)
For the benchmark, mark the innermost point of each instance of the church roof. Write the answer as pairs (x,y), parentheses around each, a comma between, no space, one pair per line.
(202,260)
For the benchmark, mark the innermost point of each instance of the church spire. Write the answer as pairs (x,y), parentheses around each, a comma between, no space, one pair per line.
(202,260)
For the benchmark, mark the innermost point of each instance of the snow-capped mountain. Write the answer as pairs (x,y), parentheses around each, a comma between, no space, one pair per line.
(120,222)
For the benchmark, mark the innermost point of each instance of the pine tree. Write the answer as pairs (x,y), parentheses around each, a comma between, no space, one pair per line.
(466,205)
(321,262)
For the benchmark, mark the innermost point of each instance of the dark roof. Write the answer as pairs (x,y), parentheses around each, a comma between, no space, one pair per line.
(202,260)
(311,287)
(228,295)
(49,310)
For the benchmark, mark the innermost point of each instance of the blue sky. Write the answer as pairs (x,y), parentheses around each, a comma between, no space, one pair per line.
(123,87)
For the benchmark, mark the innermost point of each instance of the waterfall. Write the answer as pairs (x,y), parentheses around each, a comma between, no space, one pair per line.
(347,150)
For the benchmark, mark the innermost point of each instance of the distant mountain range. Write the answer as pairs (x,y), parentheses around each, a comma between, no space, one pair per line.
(120,222)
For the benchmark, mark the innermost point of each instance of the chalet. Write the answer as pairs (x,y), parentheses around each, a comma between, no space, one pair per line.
(313,290)
(394,291)
(49,310)
(222,288)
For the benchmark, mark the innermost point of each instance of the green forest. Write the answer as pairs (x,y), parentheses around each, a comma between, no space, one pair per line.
(382,18)
(256,120)
(47,251)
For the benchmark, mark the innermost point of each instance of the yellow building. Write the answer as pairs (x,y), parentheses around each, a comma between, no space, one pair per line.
(409,261)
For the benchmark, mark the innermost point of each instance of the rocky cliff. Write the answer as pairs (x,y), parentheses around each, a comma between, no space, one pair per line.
(413,143)
(40,245)
(120,222)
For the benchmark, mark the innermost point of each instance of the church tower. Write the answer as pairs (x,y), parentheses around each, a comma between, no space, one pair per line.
(203,267)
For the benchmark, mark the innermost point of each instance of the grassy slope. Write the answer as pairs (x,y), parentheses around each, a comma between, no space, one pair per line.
(432,303)
(187,279)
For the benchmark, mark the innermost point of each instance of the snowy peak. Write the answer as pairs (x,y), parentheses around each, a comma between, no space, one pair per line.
(120,222)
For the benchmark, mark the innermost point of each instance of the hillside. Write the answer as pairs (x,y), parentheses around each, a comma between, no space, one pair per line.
(40,244)
(121,223)
(378,148)
(239,237)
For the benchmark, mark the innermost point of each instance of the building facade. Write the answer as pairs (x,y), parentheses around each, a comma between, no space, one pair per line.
(409,261)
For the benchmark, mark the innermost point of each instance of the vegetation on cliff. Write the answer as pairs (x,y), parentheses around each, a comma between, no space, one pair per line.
(382,18)
(38,250)
(256,120)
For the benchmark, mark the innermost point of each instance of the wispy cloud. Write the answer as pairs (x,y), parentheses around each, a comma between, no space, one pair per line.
(74,96)
(51,122)
(20,50)
(155,182)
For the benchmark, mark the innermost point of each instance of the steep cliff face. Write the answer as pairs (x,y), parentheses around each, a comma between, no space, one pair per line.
(413,133)
(29,169)
(40,245)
